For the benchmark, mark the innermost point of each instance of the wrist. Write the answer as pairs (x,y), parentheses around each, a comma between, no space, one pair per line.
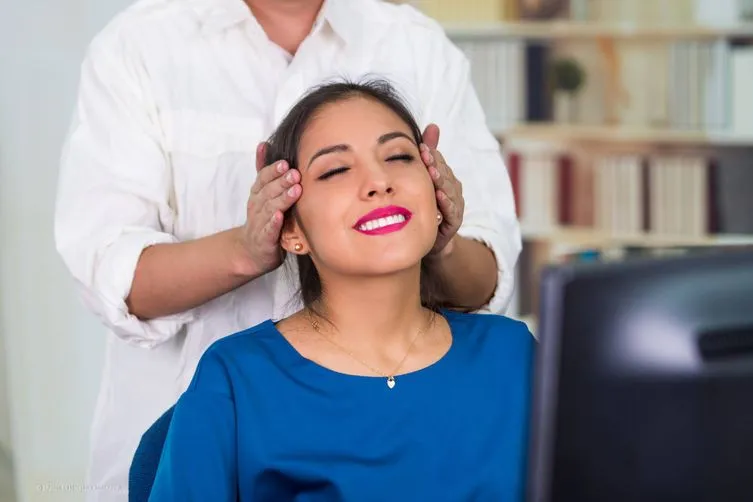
(242,264)
(442,255)
(449,248)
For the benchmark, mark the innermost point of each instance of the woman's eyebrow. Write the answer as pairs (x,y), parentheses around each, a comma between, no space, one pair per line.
(327,150)
(384,138)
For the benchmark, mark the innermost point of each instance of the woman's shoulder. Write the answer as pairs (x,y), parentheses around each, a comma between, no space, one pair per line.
(494,345)
(472,320)
(493,328)
(248,339)
(230,354)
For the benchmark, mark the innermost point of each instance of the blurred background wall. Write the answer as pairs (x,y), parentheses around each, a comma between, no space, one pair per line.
(51,350)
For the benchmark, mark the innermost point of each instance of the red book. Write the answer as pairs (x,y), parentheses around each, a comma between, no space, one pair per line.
(565,214)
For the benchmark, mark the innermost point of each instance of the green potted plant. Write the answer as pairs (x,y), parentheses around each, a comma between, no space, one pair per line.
(567,79)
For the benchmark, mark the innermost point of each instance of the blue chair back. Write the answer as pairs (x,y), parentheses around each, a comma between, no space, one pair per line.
(146,459)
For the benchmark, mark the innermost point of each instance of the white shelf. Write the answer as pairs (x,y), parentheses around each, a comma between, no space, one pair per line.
(565,133)
(591,238)
(586,30)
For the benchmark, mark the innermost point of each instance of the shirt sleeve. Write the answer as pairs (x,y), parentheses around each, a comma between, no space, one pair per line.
(114,188)
(474,155)
(199,458)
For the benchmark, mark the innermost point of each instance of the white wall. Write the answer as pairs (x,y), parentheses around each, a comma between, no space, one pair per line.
(53,347)
(5,442)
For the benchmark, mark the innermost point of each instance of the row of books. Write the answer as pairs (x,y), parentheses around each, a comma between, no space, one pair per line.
(699,85)
(498,78)
(693,85)
(705,86)
(618,194)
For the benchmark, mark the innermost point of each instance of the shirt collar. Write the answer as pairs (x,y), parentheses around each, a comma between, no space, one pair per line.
(217,15)
(343,20)
(341,15)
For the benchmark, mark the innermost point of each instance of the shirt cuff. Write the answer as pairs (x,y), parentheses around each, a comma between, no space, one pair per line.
(506,247)
(112,284)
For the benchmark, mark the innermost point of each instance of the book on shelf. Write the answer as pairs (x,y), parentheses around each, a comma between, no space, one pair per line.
(619,204)
(498,79)
(741,75)
(680,194)
(700,85)
(723,12)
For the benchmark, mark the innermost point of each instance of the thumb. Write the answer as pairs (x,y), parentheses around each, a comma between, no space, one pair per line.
(431,136)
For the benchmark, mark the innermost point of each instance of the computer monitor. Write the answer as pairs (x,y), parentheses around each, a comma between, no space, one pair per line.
(644,382)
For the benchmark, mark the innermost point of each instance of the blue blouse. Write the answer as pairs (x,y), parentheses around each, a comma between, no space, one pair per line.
(259,423)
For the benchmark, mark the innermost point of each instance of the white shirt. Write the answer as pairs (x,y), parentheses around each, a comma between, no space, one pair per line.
(174,97)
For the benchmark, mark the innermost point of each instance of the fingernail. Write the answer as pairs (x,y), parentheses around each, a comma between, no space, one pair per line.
(431,158)
(281,166)
(434,174)
(290,177)
(293,191)
(424,148)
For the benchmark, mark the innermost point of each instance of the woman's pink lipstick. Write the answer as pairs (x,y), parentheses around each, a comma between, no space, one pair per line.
(383,220)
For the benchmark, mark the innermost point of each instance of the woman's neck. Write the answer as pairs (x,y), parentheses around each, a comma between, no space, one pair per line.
(286,22)
(375,313)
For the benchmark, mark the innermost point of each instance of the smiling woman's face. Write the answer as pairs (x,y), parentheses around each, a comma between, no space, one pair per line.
(368,205)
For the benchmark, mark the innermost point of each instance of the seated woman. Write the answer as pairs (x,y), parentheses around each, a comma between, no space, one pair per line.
(372,392)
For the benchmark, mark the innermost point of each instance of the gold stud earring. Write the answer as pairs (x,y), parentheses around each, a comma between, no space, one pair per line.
(298,247)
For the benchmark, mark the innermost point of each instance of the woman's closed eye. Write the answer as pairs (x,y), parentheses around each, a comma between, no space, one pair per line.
(333,172)
(403,157)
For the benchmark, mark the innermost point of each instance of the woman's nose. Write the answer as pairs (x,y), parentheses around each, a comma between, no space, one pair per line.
(378,181)
(380,190)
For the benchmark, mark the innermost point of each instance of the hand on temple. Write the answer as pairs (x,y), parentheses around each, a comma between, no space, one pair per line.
(276,189)
(449,191)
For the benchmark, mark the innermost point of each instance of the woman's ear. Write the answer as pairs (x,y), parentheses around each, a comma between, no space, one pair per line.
(292,239)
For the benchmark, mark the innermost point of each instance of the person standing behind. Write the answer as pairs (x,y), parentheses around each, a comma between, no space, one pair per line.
(170,223)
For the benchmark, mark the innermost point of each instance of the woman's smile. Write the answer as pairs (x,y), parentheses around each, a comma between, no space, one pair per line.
(383,220)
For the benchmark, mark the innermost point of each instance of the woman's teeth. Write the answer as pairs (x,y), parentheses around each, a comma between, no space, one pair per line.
(382,222)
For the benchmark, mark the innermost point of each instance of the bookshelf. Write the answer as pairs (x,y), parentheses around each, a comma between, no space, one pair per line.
(623,123)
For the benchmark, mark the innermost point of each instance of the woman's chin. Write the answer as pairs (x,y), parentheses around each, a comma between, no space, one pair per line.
(376,260)
(384,267)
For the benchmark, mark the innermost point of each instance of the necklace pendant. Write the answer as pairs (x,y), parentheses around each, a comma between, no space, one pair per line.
(391,382)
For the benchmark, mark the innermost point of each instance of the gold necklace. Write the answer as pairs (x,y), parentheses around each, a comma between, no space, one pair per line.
(390,377)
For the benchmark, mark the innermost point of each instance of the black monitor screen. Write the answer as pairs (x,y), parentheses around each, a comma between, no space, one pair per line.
(644,382)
